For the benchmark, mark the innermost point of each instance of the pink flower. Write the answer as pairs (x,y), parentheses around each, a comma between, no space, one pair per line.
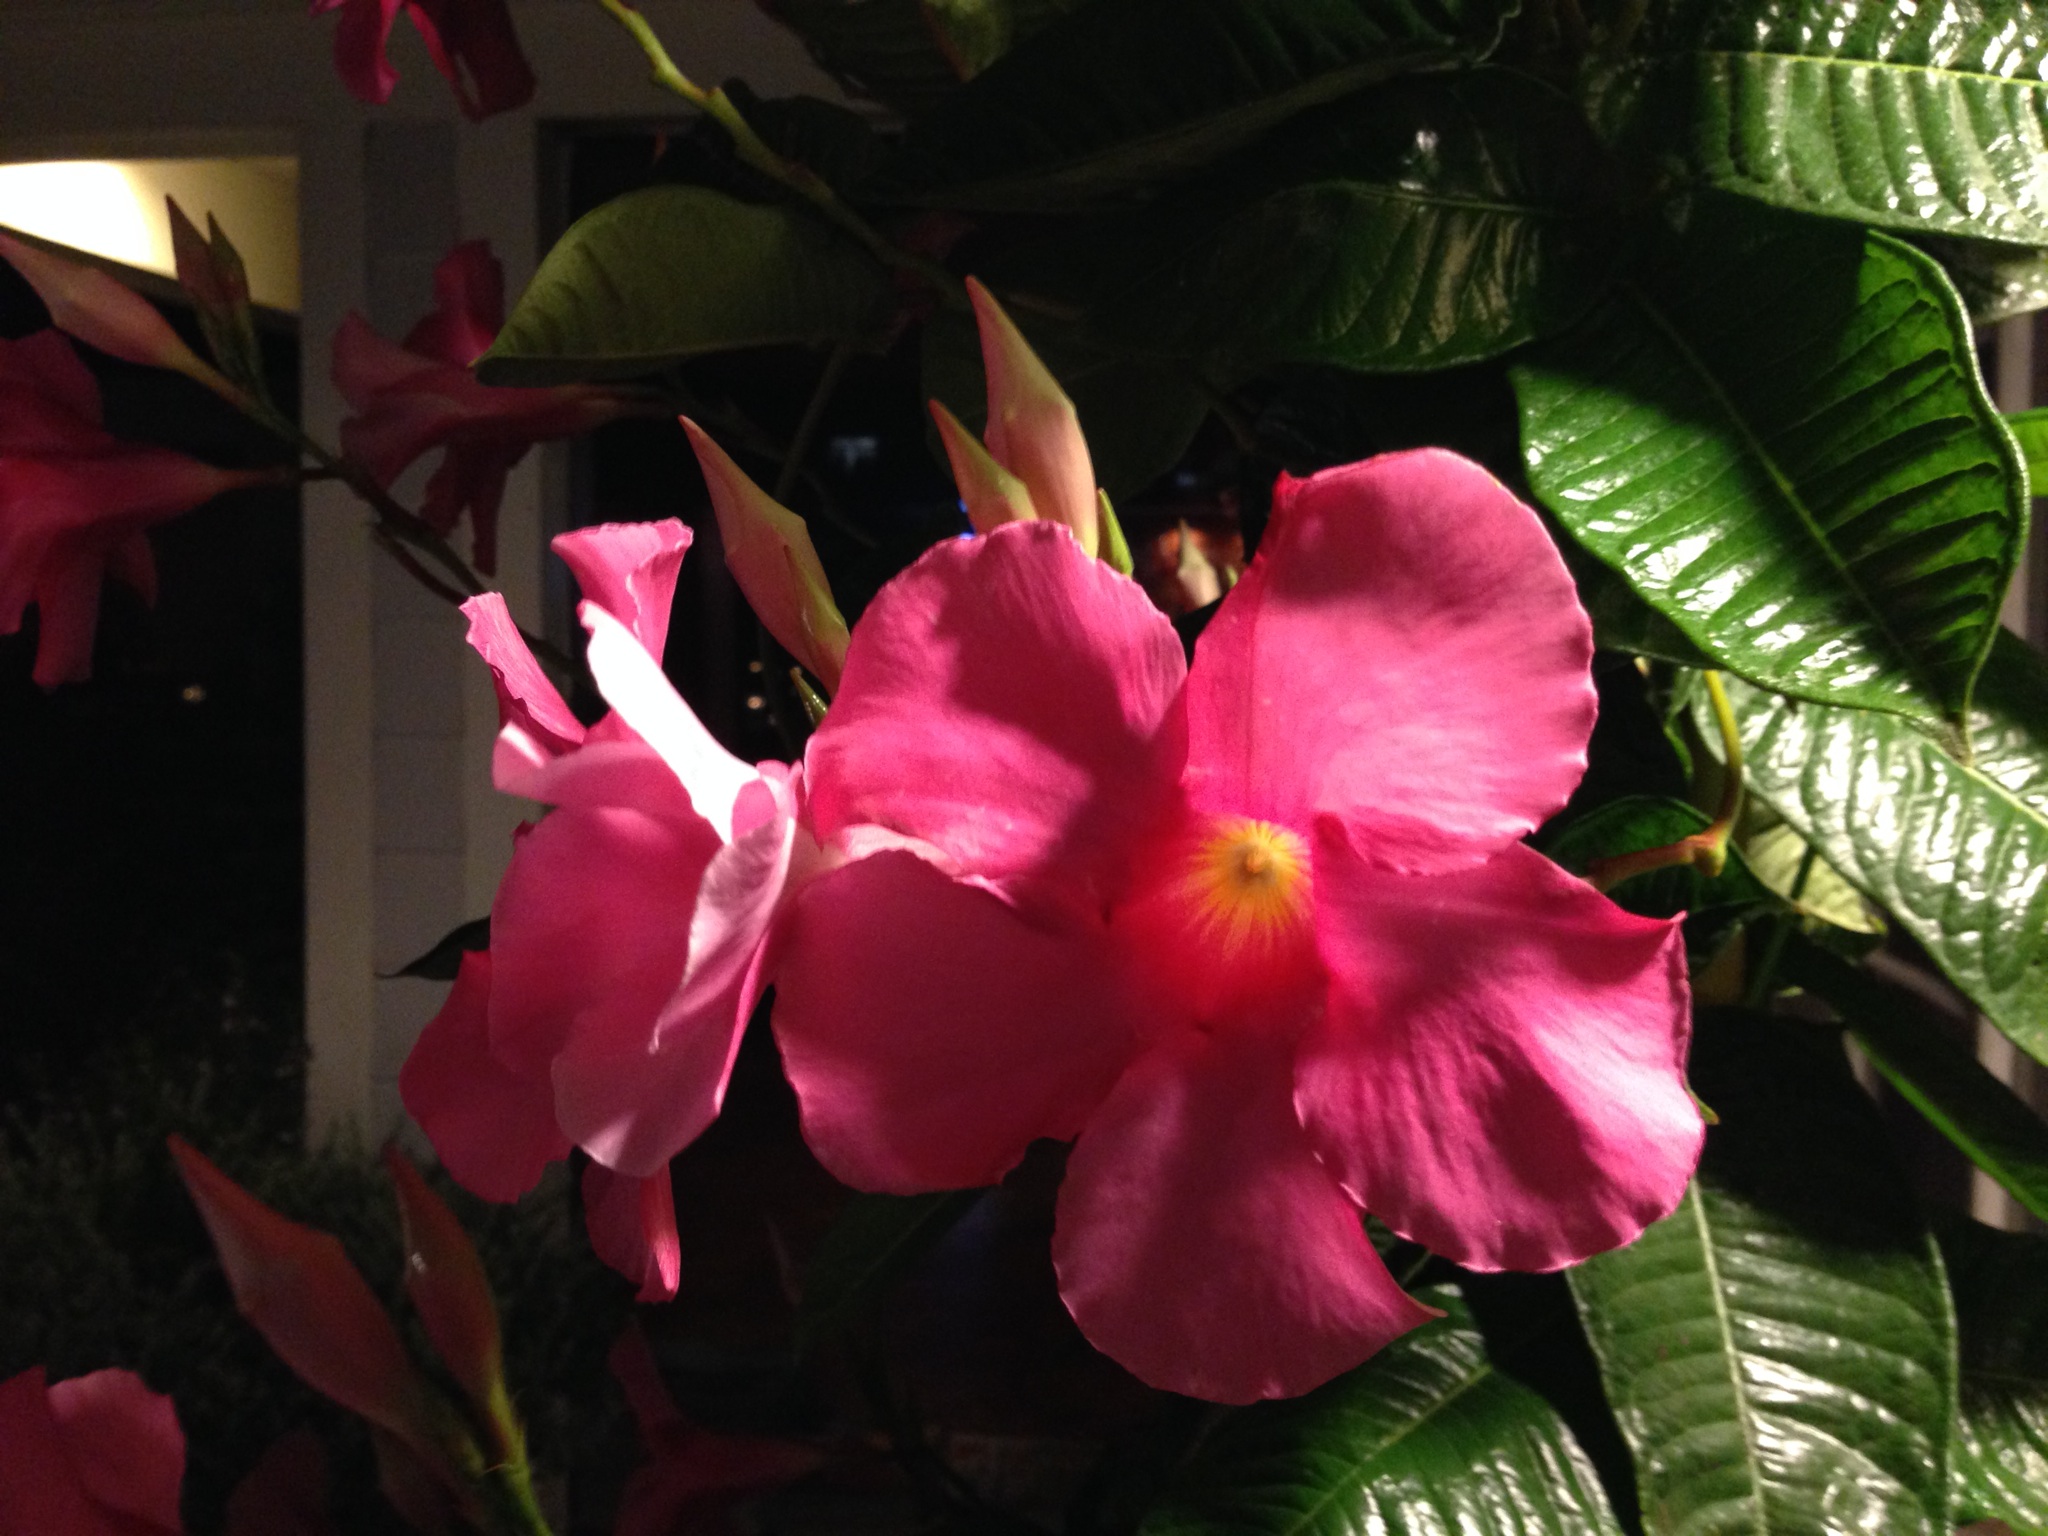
(1260,934)
(626,935)
(462,36)
(74,501)
(98,1455)
(413,398)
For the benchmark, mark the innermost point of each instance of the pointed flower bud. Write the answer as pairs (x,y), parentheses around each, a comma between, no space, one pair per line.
(211,272)
(103,313)
(769,550)
(1033,429)
(993,496)
(298,1288)
(1116,549)
(447,1284)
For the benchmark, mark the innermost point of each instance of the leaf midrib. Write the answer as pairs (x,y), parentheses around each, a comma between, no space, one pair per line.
(1902,654)
(1839,61)
(1712,1265)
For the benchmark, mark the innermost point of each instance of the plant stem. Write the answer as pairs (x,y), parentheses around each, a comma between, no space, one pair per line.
(1759,989)
(814,413)
(1707,849)
(798,179)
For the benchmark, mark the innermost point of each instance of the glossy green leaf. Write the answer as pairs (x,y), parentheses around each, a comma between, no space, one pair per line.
(1779,856)
(672,272)
(1138,415)
(912,54)
(1915,117)
(874,1241)
(1779,1352)
(1421,224)
(1999,1467)
(1781,440)
(1957,853)
(1427,1436)
(2030,431)
(1130,92)
(1932,1071)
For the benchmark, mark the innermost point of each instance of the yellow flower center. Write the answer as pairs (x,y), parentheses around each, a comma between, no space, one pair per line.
(1247,883)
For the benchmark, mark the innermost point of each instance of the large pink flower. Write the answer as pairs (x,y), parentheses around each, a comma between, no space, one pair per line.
(410,399)
(626,934)
(1261,935)
(97,1455)
(463,37)
(74,501)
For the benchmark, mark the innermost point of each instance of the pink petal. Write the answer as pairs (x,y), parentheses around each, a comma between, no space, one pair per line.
(44,368)
(1407,645)
(1014,703)
(612,767)
(1499,1074)
(475,37)
(1200,1244)
(41,1493)
(285,1493)
(359,49)
(589,934)
(526,697)
(492,1127)
(931,1033)
(632,1225)
(633,683)
(126,1444)
(634,1100)
(469,307)
(68,611)
(629,570)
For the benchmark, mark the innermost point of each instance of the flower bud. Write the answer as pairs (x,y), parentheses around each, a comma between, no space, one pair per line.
(1033,429)
(992,495)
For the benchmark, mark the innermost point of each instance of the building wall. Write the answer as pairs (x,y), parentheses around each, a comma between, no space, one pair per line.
(404,836)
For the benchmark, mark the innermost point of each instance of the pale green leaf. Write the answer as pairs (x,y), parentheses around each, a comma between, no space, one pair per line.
(1999,1470)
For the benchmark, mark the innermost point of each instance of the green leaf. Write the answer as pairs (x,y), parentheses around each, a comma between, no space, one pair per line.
(1999,1467)
(1636,822)
(1128,92)
(672,272)
(1425,223)
(1923,117)
(1996,280)
(1781,440)
(1138,415)
(1779,1351)
(2030,430)
(1933,1072)
(1778,855)
(874,1241)
(1957,853)
(912,54)
(1427,1436)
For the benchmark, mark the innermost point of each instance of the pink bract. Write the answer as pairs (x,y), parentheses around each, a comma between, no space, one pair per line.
(627,933)
(1260,935)
(75,501)
(97,1455)
(412,398)
(471,42)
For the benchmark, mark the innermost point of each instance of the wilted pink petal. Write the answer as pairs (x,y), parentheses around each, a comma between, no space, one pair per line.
(126,1445)
(527,700)
(1202,1246)
(1499,1074)
(932,1033)
(492,1127)
(1407,647)
(629,570)
(471,42)
(469,307)
(1013,702)
(632,1225)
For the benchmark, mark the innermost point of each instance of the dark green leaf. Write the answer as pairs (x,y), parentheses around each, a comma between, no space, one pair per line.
(1779,1351)
(1955,852)
(1915,117)
(671,272)
(1427,1436)
(1129,92)
(912,54)
(2030,431)
(442,961)
(875,1239)
(1137,415)
(1426,223)
(1996,280)
(1933,1072)
(1781,440)
(1998,1469)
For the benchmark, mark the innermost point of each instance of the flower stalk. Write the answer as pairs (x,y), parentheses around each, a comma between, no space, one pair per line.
(1707,849)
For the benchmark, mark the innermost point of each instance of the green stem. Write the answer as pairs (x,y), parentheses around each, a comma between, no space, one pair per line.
(1707,849)
(814,413)
(753,151)
(1766,971)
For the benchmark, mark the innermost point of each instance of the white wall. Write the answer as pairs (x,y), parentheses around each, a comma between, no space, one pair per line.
(405,837)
